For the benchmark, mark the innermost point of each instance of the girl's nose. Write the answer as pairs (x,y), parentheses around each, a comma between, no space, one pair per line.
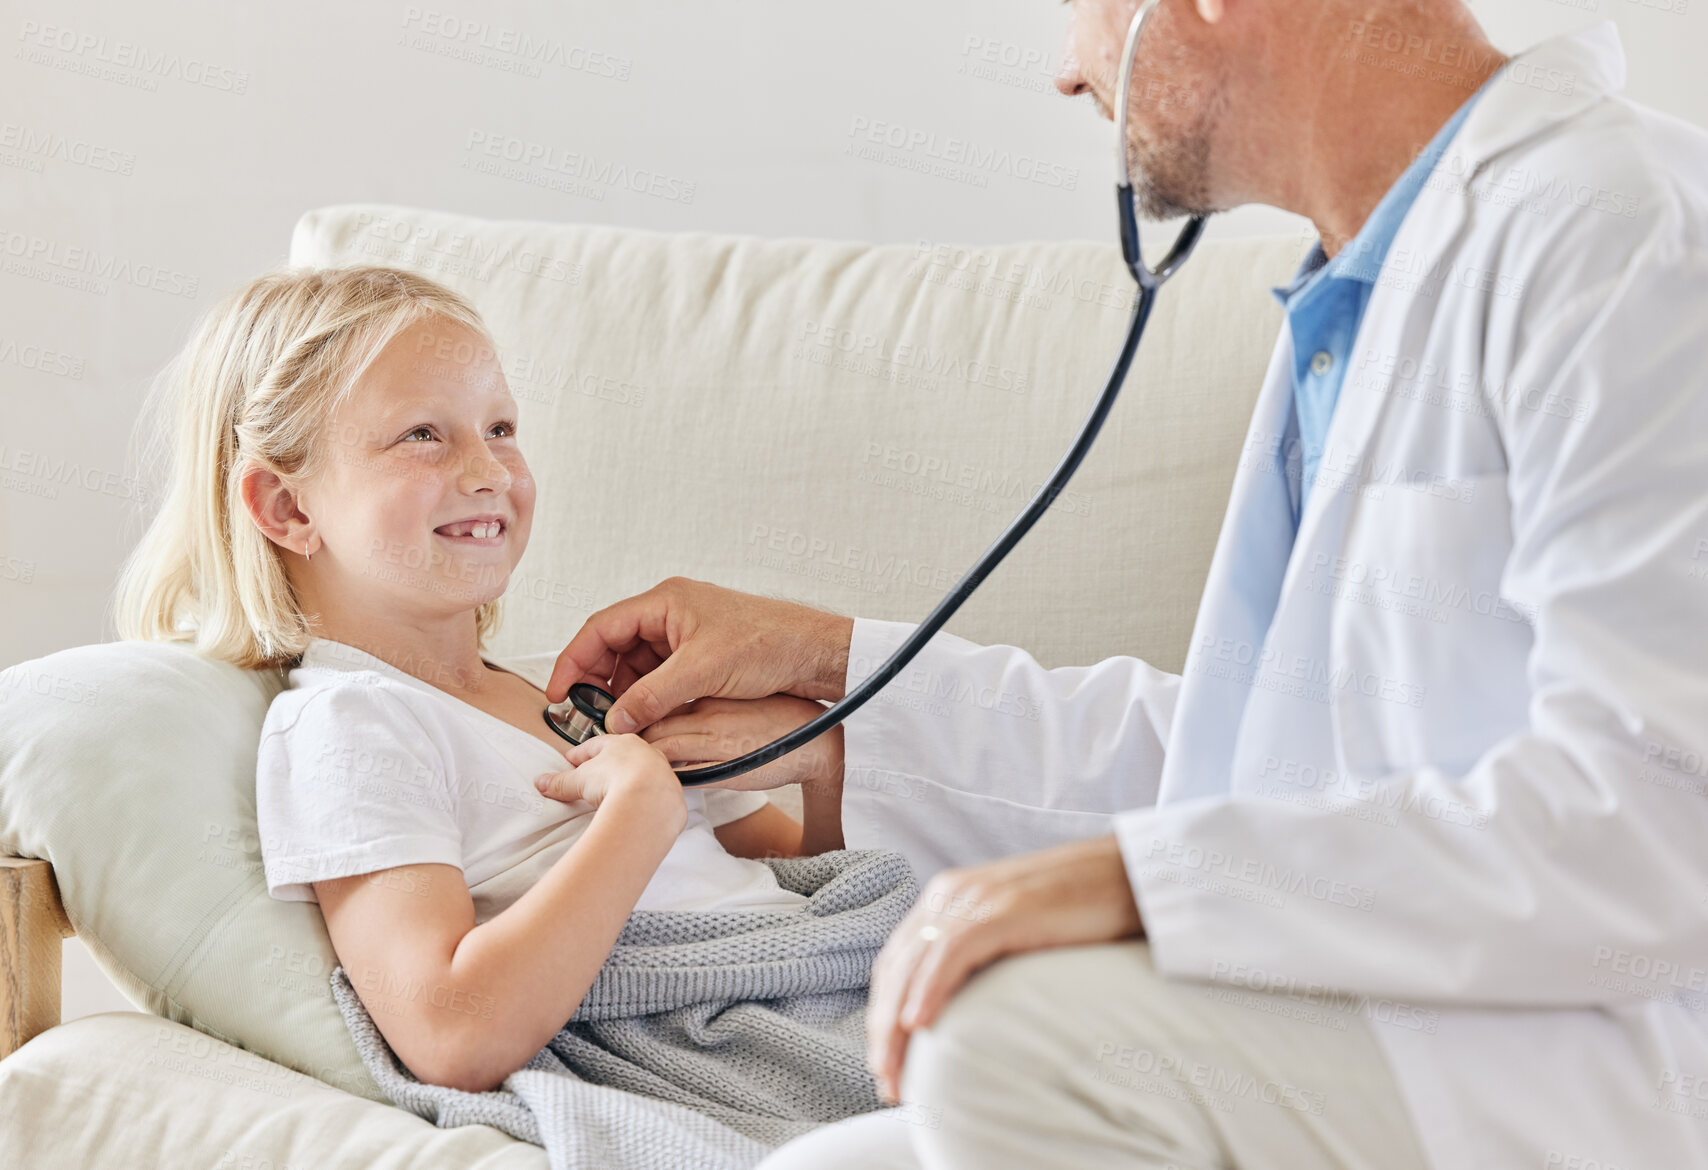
(482,471)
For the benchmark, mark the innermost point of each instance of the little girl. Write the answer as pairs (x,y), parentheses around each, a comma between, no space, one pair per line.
(348,500)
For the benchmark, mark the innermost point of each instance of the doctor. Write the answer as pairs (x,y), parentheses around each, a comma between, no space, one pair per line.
(1409,866)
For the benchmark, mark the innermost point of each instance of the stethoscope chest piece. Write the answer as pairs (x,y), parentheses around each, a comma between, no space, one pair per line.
(582,715)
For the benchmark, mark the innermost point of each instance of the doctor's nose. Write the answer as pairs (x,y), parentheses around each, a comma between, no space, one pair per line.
(1071,79)
(1070,82)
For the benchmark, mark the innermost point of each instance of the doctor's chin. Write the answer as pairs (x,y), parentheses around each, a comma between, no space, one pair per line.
(610,589)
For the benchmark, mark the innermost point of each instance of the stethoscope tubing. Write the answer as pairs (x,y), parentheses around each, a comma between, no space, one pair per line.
(963,589)
(1148,280)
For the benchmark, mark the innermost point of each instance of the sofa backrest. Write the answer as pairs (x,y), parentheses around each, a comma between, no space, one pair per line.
(839,423)
(851,425)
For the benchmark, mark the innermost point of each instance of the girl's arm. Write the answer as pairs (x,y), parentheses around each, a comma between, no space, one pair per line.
(771,832)
(714,730)
(465,1005)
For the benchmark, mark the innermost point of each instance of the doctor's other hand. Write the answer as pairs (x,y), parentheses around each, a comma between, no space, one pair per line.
(710,731)
(610,769)
(683,640)
(1068,895)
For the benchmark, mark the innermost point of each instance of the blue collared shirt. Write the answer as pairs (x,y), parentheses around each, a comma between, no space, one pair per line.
(1325,303)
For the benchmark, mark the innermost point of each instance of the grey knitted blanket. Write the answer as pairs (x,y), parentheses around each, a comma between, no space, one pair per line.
(707,1039)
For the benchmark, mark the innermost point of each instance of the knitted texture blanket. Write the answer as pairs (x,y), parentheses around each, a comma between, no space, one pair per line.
(708,1038)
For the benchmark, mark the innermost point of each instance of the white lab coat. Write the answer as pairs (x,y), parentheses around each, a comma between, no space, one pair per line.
(1463,772)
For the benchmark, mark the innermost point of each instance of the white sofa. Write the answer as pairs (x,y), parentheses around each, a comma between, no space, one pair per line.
(844,424)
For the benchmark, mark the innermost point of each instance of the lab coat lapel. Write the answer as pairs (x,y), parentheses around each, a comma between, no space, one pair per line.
(1253,568)
(1537,90)
(1389,318)
(1239,598)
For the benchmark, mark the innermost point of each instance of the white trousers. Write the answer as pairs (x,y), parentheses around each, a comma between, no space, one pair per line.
(1086,1057)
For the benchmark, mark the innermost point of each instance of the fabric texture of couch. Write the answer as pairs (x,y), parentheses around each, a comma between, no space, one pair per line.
(843,424)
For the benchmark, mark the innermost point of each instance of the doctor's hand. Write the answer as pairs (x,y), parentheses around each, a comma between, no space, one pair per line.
(1069,895)
(710,731)
(683,640)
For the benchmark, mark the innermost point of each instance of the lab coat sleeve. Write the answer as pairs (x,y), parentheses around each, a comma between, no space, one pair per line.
(976,752)
(1587,881)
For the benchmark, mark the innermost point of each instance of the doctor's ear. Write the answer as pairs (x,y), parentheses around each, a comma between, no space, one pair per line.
(273,507)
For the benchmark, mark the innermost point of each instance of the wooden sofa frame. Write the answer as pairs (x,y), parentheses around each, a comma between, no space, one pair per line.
(32,927)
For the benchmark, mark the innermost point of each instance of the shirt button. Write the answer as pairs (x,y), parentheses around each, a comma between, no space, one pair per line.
(1321,362)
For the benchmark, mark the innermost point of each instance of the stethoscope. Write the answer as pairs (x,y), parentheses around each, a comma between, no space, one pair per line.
(582,713)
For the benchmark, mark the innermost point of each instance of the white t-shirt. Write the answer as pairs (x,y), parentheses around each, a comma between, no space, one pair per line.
(362,767)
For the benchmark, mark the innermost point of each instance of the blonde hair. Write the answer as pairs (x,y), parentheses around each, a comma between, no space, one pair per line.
(257,383)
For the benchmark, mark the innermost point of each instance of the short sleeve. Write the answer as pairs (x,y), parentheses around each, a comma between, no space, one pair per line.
(724,805)
(347,781)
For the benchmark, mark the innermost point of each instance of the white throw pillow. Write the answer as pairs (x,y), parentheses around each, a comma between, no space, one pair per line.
(131,767)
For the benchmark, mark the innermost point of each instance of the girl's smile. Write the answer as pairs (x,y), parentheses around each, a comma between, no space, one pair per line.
(486,530)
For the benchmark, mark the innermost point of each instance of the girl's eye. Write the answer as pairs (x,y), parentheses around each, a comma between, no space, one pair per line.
(509,429)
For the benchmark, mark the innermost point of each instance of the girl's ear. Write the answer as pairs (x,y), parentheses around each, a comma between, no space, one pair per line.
(273,507)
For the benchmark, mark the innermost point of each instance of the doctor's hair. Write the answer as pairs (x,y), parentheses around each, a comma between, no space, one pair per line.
(256,385)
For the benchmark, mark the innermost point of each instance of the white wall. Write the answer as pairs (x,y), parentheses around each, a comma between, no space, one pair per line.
(173,145)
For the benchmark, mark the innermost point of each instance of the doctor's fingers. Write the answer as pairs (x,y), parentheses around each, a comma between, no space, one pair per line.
(642,620)
(685,746)
(942,970)
(633,664)
(723,722)
(919,970)
(680,679)
(690,749)
(886,1040)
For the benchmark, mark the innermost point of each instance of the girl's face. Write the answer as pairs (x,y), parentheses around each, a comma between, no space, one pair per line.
(424,503)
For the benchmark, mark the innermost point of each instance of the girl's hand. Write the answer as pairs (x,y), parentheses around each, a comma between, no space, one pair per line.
(614,767)
(712,730)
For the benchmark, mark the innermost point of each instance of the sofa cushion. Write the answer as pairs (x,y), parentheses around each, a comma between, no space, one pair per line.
(851,425)
(131,767)
(126,1089)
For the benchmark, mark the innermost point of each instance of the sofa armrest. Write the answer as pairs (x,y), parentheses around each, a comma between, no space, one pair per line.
(32,924)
